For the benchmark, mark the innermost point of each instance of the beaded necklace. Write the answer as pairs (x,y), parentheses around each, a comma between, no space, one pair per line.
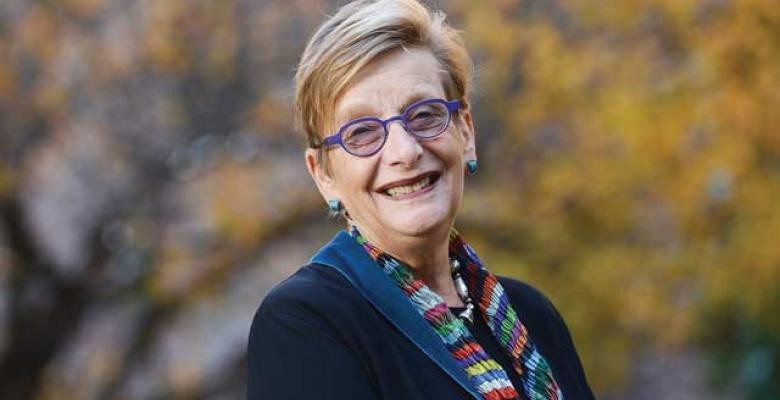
(487,375)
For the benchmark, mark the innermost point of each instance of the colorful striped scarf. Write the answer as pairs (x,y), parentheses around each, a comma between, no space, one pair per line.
(487,375)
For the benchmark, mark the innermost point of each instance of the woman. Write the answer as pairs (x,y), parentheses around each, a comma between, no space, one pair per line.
(398,306)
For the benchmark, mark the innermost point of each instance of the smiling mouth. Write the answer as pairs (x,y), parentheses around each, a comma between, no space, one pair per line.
(414,187)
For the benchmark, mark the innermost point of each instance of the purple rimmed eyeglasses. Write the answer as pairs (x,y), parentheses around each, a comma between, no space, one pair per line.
(364,137)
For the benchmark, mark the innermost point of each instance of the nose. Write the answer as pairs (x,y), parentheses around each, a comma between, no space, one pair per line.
(401,147)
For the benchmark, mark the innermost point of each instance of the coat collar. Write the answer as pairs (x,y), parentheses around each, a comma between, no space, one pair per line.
(346,256)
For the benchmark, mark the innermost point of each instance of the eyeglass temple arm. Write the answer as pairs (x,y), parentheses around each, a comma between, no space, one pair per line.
(329,141)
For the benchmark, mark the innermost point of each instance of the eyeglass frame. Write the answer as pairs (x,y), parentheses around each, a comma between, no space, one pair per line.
(452,106)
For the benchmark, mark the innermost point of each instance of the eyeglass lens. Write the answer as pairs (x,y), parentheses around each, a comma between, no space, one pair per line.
(366,136)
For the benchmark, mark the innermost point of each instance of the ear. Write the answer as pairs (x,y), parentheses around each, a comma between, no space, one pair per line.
(323,180)
(468,133)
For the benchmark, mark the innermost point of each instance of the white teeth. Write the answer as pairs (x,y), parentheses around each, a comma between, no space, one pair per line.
(402,190)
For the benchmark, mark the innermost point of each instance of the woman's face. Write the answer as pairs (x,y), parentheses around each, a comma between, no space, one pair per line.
(411,187)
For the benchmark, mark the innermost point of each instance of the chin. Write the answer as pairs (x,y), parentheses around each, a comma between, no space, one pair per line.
(421,222)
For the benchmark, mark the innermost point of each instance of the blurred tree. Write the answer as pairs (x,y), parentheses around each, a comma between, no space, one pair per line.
(147,156)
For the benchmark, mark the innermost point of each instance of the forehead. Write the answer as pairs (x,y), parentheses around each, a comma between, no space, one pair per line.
(390,83)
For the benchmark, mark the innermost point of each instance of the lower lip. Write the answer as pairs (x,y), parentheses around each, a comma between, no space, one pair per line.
(416,194)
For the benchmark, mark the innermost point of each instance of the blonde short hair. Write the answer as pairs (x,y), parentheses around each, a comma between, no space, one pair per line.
(360,32)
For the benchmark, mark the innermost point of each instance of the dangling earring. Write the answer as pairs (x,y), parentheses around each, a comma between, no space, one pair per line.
(471,166)
(334,208)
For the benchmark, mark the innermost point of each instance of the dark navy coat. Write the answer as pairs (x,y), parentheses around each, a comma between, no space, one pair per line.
(339,328)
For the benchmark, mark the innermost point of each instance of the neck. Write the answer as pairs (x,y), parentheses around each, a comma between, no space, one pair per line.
(427,256)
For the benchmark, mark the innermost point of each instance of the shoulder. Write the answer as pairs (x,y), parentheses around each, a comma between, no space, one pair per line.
(315,296)
(521,293)
(302,341)
(550,334)
(315,304)
(313,288)
(533,307)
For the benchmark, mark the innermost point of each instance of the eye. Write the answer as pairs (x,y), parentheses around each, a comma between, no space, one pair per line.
(362,130)
(362,133)
(424,112)
(427,117)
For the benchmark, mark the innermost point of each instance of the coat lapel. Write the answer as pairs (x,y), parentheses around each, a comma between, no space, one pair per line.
(345,255)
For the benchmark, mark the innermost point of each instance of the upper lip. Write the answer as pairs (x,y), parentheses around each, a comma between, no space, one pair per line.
(404,182)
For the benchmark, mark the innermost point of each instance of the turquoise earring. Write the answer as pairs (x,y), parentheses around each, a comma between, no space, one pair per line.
(334,208)
(471,166)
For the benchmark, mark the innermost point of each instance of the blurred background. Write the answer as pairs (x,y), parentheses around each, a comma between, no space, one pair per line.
(153,189)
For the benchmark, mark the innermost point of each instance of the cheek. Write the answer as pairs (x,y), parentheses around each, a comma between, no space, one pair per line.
(352,176)
(451,152)
(453,158)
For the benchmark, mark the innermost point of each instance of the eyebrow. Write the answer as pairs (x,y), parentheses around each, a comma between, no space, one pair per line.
(360,110)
